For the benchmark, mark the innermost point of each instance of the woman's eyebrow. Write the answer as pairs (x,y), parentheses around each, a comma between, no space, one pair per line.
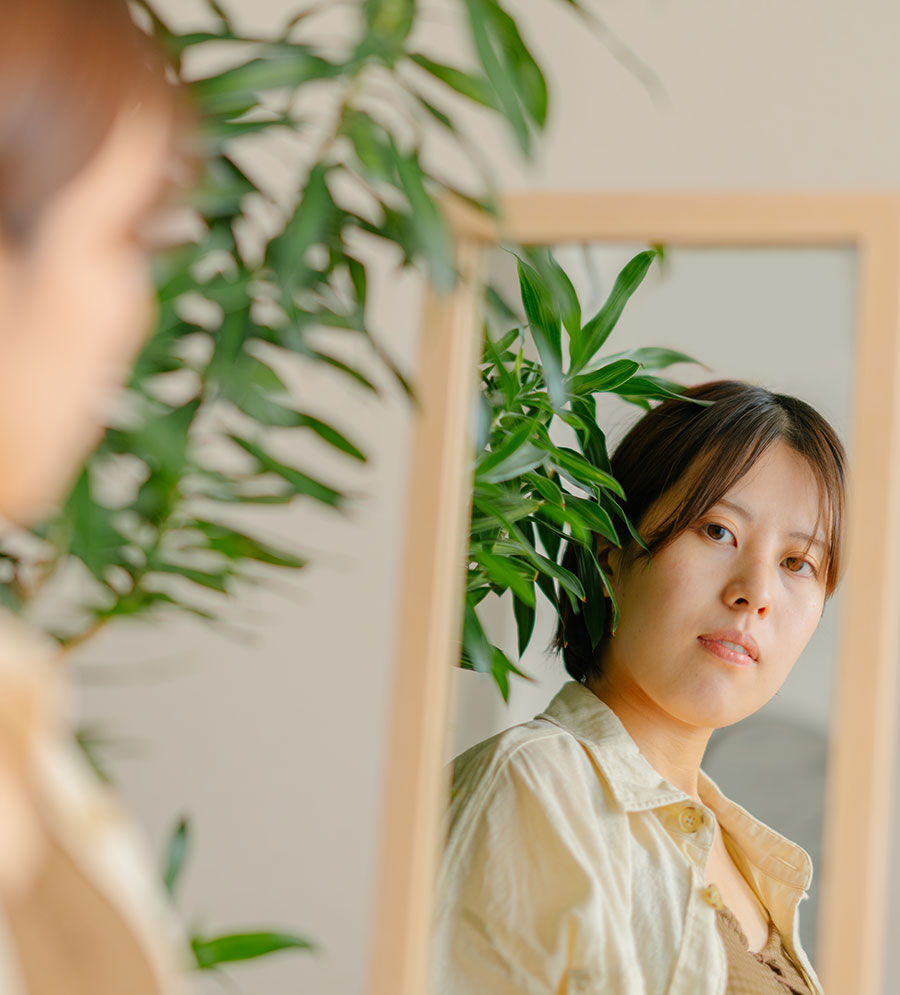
(744,513)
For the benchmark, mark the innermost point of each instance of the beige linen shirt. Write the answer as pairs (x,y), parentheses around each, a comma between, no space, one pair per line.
(572,866)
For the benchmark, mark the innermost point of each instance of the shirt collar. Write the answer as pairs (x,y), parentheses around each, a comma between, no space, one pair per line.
(637,786)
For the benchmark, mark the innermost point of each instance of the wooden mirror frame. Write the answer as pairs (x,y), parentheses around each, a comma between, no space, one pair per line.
(851,925)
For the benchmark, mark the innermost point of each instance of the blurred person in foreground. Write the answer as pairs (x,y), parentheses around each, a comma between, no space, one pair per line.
(89,129)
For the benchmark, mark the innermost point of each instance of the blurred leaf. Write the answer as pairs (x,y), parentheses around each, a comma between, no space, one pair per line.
(238,546)
(236,90)
(219,194)
(176,851)
(351,371)
(372,145)
(299,482)
(430,226)
(529,80)
(473,87)
(220,13)
(498,71)
(88,740)
(202,578)
(243,946)
(390,20)
(92,538)
(315,218)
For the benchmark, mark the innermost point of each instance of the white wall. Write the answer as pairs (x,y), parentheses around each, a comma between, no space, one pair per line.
(275,747)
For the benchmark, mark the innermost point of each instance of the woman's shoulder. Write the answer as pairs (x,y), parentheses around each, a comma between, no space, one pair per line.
(537,759)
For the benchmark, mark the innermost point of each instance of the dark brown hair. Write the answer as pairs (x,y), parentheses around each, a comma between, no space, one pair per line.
(67,69)
(706,450)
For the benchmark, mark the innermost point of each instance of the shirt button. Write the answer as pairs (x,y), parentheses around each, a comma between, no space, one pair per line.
(690,819)
(712,897)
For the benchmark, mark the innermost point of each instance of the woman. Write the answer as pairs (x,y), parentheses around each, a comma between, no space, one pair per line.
(88,130)
(588,852)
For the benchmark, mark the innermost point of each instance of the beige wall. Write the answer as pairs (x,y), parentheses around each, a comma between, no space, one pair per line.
(274,746)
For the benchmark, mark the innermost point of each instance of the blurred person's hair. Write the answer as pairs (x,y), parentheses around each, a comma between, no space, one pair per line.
(68,68)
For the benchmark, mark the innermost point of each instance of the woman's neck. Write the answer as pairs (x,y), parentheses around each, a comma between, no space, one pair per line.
(671,747)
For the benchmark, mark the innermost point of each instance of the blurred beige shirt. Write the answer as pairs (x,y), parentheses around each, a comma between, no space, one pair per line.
(94,906)
(573,866)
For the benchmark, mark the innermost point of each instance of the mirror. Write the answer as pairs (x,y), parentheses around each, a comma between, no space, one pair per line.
(800,294)
(782,317)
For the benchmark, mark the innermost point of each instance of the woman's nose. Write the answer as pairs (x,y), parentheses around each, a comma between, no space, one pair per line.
(750,589)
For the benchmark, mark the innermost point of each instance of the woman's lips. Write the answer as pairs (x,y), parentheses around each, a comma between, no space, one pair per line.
(715,643)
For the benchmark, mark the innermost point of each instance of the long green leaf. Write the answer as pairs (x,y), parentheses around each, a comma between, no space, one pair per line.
(487,461)
(524,614)
(430,225)
(546,328)
(476,648)
(236,90)
(312,222)
(607,378)
(238,546)
(507,572)
(598,329)
(498,71)
(652,358)
(530,85)
(501,668)
(573,464)
(209,953)
(473,87)
(596,517)
(657,387)
(299,482)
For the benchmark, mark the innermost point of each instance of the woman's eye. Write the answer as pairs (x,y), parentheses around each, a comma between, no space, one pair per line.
(803,568)
(717,532)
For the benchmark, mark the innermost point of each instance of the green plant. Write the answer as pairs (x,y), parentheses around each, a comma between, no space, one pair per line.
(216,384)
(210,952)
(531,493)
(207,387)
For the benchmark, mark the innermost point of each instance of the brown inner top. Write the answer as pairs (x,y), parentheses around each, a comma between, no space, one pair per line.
(768,971)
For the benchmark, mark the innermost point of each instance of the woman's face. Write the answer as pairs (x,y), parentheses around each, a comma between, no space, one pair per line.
(738,575)
(75,306)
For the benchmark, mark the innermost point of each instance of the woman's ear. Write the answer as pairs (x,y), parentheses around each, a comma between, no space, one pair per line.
(608,556)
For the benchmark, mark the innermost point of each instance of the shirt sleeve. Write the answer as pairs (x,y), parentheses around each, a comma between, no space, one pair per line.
(517,888)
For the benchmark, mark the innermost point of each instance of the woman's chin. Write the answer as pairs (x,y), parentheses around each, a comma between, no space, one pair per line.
(712,708)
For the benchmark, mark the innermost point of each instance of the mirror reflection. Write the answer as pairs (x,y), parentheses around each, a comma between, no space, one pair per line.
(778,318)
